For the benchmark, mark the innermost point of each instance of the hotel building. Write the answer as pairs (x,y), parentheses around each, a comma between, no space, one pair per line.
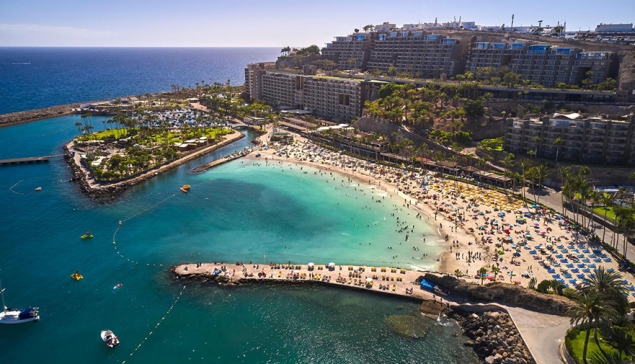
(574,137)
(543,64)
(331,98)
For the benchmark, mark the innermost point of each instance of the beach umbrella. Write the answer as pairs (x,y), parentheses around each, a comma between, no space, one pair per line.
(311,265)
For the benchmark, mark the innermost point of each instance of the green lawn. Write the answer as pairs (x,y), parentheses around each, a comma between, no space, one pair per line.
(576,345)
(159,138)
(610,214)
(103,134)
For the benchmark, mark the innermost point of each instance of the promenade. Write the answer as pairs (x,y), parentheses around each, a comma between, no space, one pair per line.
(542,333)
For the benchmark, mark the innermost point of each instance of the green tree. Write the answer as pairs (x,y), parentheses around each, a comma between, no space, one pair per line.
(481,273)
(592,311)
(511,79)
(496,270)
(610,285)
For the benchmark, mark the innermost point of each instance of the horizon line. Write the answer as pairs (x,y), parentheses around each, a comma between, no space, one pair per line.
(30,46)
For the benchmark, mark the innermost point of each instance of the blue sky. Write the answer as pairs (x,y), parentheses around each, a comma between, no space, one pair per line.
(248,23)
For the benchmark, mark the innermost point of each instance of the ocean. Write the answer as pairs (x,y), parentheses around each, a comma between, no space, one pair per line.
(32,78)
(238,211)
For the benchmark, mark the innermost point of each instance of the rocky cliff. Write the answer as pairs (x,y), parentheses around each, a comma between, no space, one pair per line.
(505,293)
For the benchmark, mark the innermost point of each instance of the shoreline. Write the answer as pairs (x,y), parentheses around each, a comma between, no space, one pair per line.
(444,262)
(99,191)
(474,319)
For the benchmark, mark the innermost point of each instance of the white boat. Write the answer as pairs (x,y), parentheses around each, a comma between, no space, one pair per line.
(109,338)
(17,315)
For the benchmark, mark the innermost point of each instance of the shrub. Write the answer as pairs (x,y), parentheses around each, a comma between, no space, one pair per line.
(570,293)
(544,286)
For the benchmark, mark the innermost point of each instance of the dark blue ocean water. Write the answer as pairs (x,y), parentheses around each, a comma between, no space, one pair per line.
(32,78)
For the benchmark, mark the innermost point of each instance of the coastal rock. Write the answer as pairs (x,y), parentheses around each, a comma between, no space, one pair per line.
(504,292)
(411,326)
(494,337)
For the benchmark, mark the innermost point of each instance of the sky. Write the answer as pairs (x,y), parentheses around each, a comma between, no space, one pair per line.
(272,23)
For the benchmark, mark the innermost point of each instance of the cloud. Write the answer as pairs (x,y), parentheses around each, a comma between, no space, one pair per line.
(50,35)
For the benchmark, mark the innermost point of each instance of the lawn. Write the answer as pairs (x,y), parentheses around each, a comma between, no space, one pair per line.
(610,214)
(576,346)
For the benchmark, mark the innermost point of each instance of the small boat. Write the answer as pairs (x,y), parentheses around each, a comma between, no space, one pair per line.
(186,187)
(88,235)
(109,338)
(38,188)
(76,276)
(183,190)
(17,315)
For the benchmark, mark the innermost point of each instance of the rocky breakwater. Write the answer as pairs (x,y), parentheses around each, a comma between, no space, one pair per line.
(494,337)
(504,293)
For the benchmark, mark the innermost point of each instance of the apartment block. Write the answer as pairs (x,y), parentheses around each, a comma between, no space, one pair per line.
(331,98)
(350,52)
(253,78)
(596,66)
(543,64)
(280,88)
(418,53)
(574,137)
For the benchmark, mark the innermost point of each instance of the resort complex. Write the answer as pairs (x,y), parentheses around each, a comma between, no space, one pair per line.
(441,192)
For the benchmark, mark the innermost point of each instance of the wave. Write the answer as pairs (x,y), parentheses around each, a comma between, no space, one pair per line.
(21,63)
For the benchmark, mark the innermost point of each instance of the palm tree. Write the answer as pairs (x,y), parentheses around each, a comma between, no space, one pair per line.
(79,126)
(557,143)
(609,285)
(496,270)
(607,358)
(482,272)
(592,310)
(458,273)
(606,199)
(524,167)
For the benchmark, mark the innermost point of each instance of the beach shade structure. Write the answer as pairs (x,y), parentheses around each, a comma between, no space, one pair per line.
(311,266)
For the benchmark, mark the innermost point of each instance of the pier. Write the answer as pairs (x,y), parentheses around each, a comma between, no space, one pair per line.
(27,160)
(360,277)
(219,161)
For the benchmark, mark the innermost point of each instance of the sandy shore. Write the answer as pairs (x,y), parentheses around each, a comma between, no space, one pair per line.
(481,227)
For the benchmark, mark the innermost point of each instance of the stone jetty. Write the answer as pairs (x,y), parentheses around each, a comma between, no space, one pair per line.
(223,160)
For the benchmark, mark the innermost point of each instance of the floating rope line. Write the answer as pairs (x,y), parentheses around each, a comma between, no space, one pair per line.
(13,188)
(114,236)
(157,325)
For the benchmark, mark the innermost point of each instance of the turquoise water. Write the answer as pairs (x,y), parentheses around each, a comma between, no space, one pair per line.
(239,211)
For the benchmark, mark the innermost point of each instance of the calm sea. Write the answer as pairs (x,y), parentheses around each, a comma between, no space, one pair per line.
(32,78)
(238,211)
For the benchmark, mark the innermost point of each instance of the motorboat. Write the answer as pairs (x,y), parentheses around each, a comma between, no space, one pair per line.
(109,338)
(17,315)
(76,276)
(38,188)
